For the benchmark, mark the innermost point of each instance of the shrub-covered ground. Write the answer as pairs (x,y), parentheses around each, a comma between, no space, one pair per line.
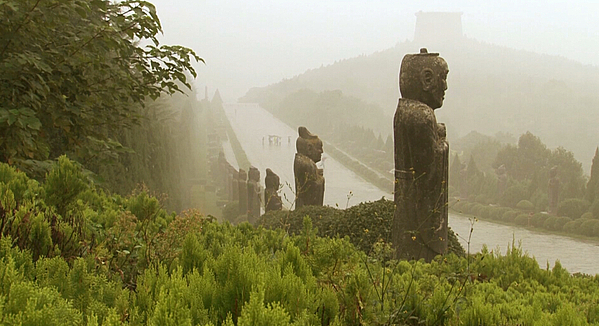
(73,255)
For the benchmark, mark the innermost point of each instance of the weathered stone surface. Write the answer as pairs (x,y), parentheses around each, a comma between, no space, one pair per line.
(421,159)
(253,194)
(271,192)
(243,197)
(309,179)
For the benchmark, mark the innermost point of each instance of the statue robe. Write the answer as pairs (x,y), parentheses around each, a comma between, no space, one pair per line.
(421,175)
(309,182)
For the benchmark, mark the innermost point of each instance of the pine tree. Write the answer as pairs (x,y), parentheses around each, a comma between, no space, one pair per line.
(592,192)
(454,171)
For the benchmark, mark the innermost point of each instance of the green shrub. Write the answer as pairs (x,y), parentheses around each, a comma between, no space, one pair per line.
(560,221)
(549,223)
(509,216)
(476,209)
(525,205)
(589,227)
(231,211)
(595,208)
(573,226)
(486,212)
(587,215)
(539,200)
(365,224)
(457,205)
(496,213)
(514,194)
(538,219)
(572,208)
(522,219)
(481,199)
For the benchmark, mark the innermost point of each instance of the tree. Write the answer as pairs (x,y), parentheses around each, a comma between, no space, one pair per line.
(523,161)
(592,192)
(71,71)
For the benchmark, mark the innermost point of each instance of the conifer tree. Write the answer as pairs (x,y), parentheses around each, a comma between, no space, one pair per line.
(592,192)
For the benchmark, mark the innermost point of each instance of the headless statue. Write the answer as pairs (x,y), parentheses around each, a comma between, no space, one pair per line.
(253,194)
(271,193)
(309,179)
(243,192)
(421,159)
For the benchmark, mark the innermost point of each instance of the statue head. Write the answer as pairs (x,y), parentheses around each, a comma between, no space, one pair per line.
(423,77)
(309,144)
(254,174)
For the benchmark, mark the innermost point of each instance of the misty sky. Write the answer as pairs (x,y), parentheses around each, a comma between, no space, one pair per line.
(249,43)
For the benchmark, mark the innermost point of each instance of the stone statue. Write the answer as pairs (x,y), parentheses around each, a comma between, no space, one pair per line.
(271,193)
(309,179)
(553,190)
(253,194)
(243,197)
(235,184)
(421,159)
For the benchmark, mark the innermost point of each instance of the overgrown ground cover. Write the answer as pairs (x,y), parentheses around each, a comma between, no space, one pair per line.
(71,254)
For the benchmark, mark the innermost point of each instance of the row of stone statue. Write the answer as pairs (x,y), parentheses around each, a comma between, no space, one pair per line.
(421,164)
(246,189)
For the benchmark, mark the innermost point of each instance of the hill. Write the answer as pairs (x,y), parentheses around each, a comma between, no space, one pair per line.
(491,89)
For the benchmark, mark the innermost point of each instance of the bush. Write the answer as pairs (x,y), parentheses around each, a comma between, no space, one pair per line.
(538,219)
(496,213)
(457,205)
(525,205)
(589,227)
(587,216)
(481,199)
(365,224)
(476,209)
(522,219)
(509,216)
(572,208)
(573,226)
(231,211)
(539,200)
(514,194)
(595,209)
(486,212)
(560,221)
(467,208)
(549,222)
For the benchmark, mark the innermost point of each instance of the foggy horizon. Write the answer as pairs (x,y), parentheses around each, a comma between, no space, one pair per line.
(258,43)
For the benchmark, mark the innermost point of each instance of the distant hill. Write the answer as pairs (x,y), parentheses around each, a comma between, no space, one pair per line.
(491,89)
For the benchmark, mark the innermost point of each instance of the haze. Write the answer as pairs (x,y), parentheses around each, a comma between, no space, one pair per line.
(256,43)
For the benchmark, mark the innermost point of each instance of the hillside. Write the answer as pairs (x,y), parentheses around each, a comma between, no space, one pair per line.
(491,89)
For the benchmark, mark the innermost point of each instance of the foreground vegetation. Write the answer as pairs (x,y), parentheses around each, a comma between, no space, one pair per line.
(71,255)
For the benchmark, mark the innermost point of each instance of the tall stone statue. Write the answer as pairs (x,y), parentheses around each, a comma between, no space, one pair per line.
(309,179)
(553,190)
(272,199)
(243,192)
(253,194)
(421,159)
